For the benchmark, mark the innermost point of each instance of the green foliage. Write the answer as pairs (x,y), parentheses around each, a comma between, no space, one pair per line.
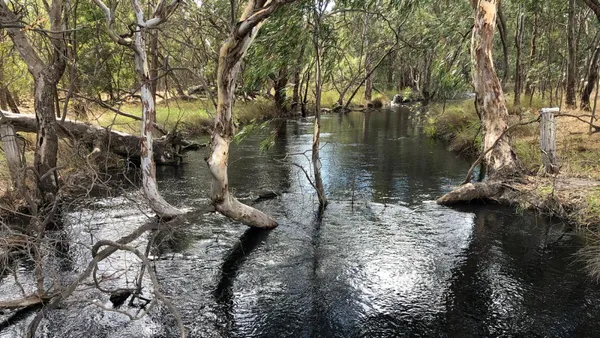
(528,151)
(257,126)
(457,125)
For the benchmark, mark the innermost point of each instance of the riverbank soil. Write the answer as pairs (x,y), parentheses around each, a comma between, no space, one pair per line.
(573,194)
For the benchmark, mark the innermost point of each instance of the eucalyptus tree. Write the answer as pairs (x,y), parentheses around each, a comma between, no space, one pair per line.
(47,68)
(231,55)
(136,41)
(278,55)
(501,160)
(319,11)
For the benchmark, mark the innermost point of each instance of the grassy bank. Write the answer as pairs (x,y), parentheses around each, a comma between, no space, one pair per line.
(193,118)
(574,194)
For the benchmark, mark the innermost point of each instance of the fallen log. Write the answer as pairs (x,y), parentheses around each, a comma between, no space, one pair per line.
(466,193)
(27,301)
(168,149)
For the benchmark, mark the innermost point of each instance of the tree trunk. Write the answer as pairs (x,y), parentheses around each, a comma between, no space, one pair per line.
(316,159)
(230,58)
(532,54)
(501,161)
(591,80)
(3,99)
(504,39)
(46,146)
(3,89)
(368,83)
(154,62)
(280,91)
(572,58)
(304,105)
(11,151)
(297,79)
(148,90)
(518,44)
(46,76)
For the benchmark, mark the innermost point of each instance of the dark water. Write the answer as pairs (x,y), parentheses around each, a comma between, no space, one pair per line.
(383,261)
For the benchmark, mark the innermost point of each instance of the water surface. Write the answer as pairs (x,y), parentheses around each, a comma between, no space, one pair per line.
(383,261)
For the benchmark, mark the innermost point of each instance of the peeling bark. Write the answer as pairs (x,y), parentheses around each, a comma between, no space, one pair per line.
(149,186)
(230,58)
(148,87)
(501,161)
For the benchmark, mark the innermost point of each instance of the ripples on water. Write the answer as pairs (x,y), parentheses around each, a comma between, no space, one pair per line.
(383,261)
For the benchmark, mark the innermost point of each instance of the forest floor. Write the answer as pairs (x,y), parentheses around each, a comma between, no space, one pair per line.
(573,194)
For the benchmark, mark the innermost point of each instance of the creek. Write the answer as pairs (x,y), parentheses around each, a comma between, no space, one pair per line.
(384,260)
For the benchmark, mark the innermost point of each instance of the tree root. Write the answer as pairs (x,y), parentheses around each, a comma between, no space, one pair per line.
(480,191)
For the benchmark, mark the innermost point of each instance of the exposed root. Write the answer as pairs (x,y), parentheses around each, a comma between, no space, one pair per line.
(571,199)
(469,192)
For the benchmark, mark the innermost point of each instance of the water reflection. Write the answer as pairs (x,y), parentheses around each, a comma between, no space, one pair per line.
(383,261)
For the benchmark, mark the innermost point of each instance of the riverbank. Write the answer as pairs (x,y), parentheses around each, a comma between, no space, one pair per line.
(573,195)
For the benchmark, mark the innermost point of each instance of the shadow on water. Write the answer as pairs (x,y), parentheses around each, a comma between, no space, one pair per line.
(382,261)
(233,262)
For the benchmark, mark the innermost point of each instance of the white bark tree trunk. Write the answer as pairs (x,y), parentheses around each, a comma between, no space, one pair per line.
(11,151)
(46,74)
(501,161)
(162,10)
(149,186)
(230,57)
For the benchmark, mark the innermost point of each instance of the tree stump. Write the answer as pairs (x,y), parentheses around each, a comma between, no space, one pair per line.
(548,140)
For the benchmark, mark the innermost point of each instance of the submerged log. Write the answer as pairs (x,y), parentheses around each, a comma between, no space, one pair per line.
(167,149)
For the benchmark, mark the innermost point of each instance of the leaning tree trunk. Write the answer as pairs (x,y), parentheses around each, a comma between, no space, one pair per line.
(230,58)
(147,165)
(591,81)
(572,58)
(501,161)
